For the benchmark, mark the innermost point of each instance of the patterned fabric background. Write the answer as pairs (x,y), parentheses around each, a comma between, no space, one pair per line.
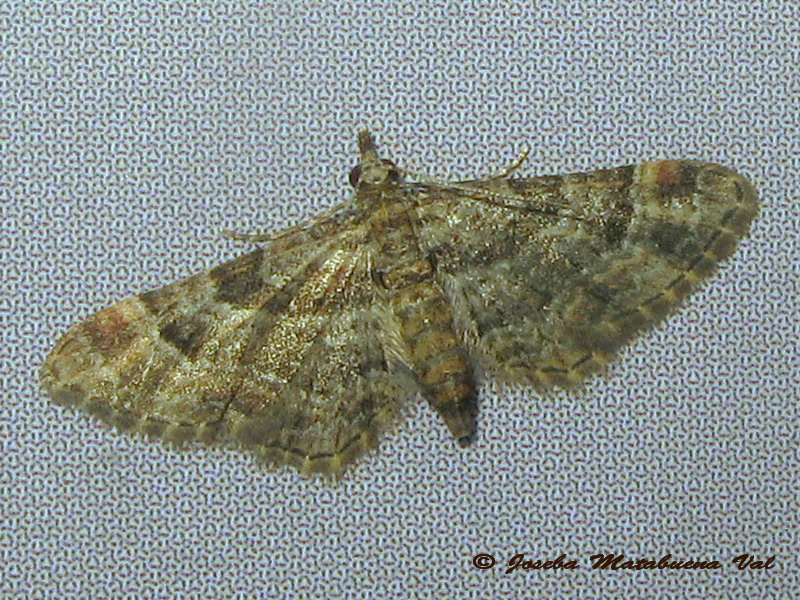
(131,132)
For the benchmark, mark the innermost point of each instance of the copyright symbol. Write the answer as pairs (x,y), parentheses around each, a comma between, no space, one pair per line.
(483,561)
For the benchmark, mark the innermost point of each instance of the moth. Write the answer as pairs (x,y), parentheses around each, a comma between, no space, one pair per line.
(306,348)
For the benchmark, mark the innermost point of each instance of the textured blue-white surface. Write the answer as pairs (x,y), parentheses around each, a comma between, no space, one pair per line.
(130,132)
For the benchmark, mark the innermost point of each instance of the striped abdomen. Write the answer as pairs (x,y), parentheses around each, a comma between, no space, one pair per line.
(425,319)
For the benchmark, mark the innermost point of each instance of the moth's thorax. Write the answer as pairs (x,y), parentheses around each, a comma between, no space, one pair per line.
(391,224)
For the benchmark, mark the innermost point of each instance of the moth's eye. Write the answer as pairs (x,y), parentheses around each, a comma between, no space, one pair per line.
(392,173)
(355,174)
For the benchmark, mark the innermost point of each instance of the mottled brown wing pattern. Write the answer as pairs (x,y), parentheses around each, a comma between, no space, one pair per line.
(278,349)
(553,274)
(305,348)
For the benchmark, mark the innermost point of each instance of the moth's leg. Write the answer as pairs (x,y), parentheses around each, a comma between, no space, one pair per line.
(255,238)
(505,172)
(521,158)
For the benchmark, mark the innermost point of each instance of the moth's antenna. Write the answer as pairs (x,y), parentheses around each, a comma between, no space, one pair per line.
(482,194)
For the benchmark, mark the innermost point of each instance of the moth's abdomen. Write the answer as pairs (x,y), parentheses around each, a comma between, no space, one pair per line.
(438,357)
(423,316)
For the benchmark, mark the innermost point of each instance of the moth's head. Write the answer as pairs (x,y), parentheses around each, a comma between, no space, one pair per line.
(372,171)
(374,174)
